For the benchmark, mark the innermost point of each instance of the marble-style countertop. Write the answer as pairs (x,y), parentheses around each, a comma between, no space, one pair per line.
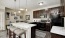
(23,25)
(58,30)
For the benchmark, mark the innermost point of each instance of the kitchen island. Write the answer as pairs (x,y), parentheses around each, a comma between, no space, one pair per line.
(58,32)
(26,27)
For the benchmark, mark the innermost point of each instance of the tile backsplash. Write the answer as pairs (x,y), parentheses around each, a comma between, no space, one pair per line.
(36,20)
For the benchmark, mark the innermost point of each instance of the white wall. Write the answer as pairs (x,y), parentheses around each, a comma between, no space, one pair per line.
(31,12)
(2,18)
(11,18)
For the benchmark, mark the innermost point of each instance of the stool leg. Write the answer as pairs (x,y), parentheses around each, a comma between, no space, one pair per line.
(14,35)
(9,34)
(19,36)
(7,31)
(25,34)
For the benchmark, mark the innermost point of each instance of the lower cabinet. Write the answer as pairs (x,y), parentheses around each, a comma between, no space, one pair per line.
(56,36)
(33,29)
(48,27)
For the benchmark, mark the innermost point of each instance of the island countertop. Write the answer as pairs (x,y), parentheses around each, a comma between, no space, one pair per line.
(23,25)
(58,30)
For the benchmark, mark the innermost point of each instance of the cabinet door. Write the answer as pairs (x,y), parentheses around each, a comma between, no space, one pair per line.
(33,32)
(37,14)
(48,27)
(56,36)
(62,2)
(64,7)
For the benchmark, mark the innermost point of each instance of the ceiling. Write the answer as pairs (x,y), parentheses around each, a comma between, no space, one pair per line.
(31,4)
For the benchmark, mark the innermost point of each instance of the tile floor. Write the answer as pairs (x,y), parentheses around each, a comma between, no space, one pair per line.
(42,34)
(3,34)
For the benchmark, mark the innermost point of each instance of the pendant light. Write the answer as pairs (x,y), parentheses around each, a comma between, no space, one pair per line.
(19,11)
(26,9)
(26,6)
(15,7)
(19,7)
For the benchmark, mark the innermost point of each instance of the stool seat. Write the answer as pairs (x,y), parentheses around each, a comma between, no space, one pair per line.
(19,31)
(11,31)
(8,27)
(12,28)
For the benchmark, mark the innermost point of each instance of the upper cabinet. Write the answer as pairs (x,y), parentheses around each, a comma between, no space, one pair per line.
(63,8)
(46,13)
(62,2)
(38,13)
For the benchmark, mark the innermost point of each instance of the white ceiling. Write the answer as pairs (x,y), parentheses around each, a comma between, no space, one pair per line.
(31,4)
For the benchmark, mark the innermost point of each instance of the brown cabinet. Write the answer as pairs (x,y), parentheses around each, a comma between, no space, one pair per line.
(63,8)
(37,14)
(33,32)
(56,36)
(62,2)
(48,27)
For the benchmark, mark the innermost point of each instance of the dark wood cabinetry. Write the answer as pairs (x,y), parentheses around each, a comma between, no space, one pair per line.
(62,2)
(37,14)
(42,26)
(48,27)
(56,36)
(33,33)
(63,8)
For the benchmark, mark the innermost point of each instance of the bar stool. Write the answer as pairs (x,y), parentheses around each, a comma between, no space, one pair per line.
(11,31)
(19,33)
(8,27)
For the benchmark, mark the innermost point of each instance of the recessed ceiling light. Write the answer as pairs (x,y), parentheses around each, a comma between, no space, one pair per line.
(26,9)
(46,9)
(14,12)
(21,9)
(41,3)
